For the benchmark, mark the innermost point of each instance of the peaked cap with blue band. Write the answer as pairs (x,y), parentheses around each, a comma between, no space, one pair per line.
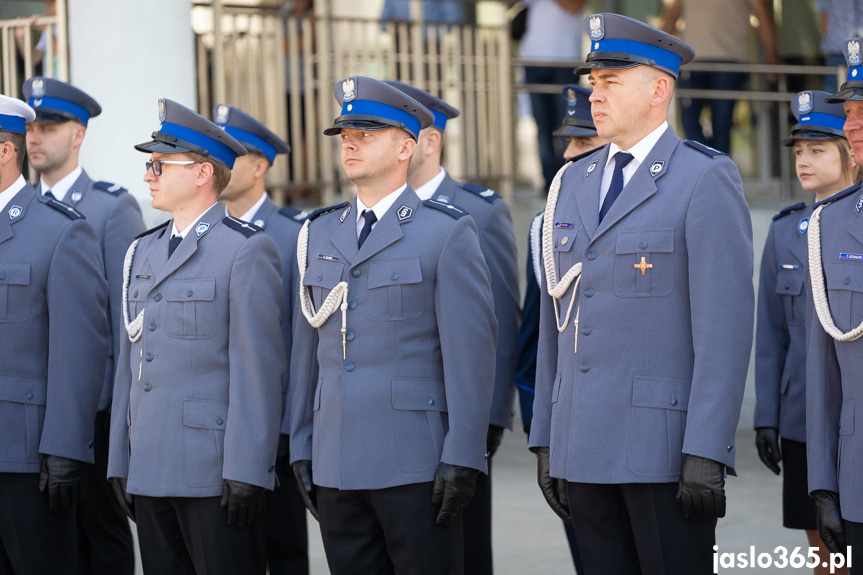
(254,136)
(816,119)
(183,130)
(578,122)
(852,89)
(56,101)
(439,109)
(618,42)
(14,114)
(369,104)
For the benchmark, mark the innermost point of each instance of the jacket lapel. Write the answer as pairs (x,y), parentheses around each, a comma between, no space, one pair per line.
(345,236)
(587,194)
(22,200)
(188,246)
(389,230)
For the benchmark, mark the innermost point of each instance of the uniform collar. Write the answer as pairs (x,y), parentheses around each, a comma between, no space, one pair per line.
(640,150)
(61,188)
(186,231)
(428,189)
(250,215)
(383,204)
(9,193)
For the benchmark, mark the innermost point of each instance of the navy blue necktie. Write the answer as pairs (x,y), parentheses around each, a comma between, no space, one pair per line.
(48,194)
(620,161)
(370,218)
(175,241)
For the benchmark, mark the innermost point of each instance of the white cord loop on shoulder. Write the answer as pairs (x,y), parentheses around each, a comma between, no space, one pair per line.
(331,303)
(819,292)
(134,327)
(557,290)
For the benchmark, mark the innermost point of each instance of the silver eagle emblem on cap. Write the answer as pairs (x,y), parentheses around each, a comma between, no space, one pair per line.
(804,102)
(571,96)
(38,87)
(222,113)
(597,30)
(349,90)
(854,53)
(162,112)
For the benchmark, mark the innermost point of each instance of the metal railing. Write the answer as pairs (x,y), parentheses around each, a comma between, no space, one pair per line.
(282,69)
(16,65)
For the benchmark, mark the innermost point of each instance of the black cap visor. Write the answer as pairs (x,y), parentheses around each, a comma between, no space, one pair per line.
(616,61)
(49,116)
(363,122)
(803,132)
(849,91)
(569,131)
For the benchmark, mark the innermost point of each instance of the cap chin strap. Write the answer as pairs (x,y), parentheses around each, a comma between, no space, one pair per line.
(557,290)
(134,327)
(328,307)
(816,274)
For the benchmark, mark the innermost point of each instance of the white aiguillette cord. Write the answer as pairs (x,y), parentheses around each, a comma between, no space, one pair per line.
(816,275)
(328,307)
(134,327)
(558,290)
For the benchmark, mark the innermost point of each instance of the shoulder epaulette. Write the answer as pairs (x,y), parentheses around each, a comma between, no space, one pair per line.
(151,230)
(486,194)
(293,214)
(70,212)
(574,159)
(707,150)
(110,187)
(785,211)
(449,209)
(239,225)
(321,211)
(838,195)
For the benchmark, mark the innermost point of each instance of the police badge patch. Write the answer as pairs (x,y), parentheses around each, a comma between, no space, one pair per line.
(859,204)
(14,212)
(201,228)
(260,222)
(404,212)
(349,91)
(344,215)
(804,102)
(597,30)
(656,168)
(803,226)
(592,167)
(75,197)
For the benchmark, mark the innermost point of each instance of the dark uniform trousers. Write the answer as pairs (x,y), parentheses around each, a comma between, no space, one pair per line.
(287,534)
(477,528)
(638,528)
(105,546)
(170,534)
(854,539)
(24,512)
(353,524)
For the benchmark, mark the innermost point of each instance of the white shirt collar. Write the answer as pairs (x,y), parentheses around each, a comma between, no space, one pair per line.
(250,215)
(10,192)
(640,150)
(380,208)
(183,234)
(428,189)
(61,188)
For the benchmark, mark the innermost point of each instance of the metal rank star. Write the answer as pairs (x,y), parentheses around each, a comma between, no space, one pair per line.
(643,265)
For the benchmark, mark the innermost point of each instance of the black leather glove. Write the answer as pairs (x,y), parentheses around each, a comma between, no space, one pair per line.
(65,479)
(492,439)
(303,474)
(829,520)
(284,449)
(554,490)
(243,500)
(123,496)
(453,489)
(702,488)
(767,442)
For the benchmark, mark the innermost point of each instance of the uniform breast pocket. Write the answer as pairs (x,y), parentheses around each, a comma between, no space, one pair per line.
(644,263)
(191,308)
(321,277)
(395,290)
(789,286)
(137,296)
(563,240)
(845,294)
(14,292)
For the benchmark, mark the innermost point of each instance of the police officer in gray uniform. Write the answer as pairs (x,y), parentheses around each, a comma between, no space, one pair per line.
(53,142)
(197,399)
(834,356)
(53,349)
(393,359)
(640,373)
(497,241)
(246,199)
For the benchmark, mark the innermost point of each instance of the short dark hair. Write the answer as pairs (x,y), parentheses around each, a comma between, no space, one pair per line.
(19,142)
(221,172)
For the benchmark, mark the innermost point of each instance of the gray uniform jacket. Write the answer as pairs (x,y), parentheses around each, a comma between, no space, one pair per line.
(116,217)
(198,397)
(497,241)
(780,343)
(662,357)
(283,225)
(416,385)
(53,332)
(833,369)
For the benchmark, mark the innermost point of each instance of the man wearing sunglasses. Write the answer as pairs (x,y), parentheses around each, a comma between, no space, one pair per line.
(54,141)
(196,414)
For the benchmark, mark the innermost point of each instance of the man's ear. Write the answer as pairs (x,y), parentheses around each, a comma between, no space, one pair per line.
(406,150)
(206,172)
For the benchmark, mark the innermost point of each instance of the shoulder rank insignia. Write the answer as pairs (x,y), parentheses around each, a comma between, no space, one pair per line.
(244,228)
(785,211)
(295,215)
(151,230)
(450,209)
(321,211)
(109,187)
(707,150)
(839,195)
(70,212)
(484,193)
